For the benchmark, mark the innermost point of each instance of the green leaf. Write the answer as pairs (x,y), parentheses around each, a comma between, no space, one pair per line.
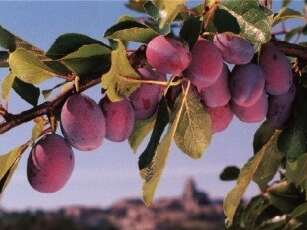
(262,136)
(152,173)
(190,30)
(286,14)
(8,164)
(26,66)
(247,173)
(193,134)
(141,129)
(6,86)
(152,10)
(293,139)
(253,20)
(68,43)
(114,82)
(168,12)
(296,171)
(299,211)
(230,173)
(11,42)
(130,30)
(88,60)
(253,210)
(26,91)
(225,22)
(161,122)
(268,168)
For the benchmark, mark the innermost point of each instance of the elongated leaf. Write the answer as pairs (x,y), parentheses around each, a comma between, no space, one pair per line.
(268,168)
(152,10)
(141,129)
(296,171)
(137,5)
(8,164)
(262,136)
(26,66)
(190,30)
(286,14)
(11,42)
(247,173)
(6,86)
(26,91)
(253,20)
(38,128)
(114,81)
(68,43)
(161,122)
(130,30)
(168,12)
(193,134)
(152,173)
(88,60)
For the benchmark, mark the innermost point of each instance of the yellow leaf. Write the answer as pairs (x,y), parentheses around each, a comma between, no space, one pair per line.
(115,81)
(152,173)
(38,128)
(27,66)
(6,86)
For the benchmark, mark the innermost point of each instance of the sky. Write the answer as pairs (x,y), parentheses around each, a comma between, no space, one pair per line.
(109,173)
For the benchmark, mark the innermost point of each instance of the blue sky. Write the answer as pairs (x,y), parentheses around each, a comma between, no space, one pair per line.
(110,172)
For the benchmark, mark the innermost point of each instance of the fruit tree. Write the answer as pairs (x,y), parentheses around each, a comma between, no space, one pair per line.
(176,74)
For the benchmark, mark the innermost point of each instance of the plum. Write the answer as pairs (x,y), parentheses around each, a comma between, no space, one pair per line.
(246,84)
(234,49)
(217,94)
(146,98)
(221,117)
(119,117)
(82,122)
(206,65)
(50,164)
(167,55)
(280,108)
(253,113)
(277,71)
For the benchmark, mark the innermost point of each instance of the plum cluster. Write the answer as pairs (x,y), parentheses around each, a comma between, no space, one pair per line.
(251,91)
(84,125)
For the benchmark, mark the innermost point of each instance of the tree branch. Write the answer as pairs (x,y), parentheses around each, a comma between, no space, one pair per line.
(44,108)
(48,107)
(292,50)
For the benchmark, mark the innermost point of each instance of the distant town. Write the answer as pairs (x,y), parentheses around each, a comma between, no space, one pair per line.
(193,210)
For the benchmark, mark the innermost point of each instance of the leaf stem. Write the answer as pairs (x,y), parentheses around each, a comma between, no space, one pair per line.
(154,82)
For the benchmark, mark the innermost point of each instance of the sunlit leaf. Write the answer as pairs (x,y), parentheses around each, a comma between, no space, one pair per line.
(6,86)
(168,12)
(286,14)
(26,66)
(152,173)
(130,30)
(141,129)
(254,22)
(38,127)
(8,164)
(114,81)
(193,134)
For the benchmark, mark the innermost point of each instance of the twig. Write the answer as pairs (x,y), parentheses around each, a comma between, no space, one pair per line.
(292,50)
